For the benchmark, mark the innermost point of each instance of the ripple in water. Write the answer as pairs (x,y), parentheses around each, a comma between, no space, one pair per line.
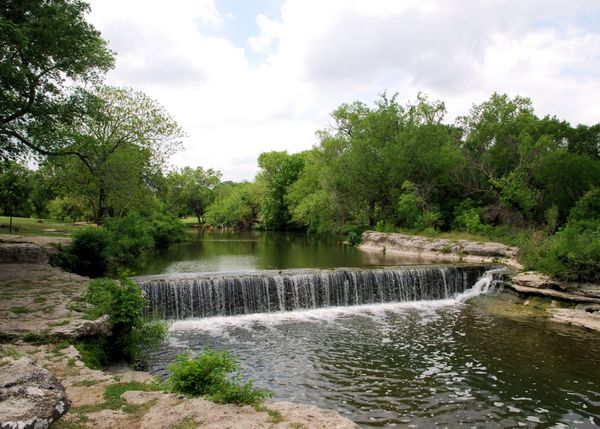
(422,364)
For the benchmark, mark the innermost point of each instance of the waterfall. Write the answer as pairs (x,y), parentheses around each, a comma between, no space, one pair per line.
(181,296)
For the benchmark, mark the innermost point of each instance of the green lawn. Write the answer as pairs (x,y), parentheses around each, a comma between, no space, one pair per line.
(29,226)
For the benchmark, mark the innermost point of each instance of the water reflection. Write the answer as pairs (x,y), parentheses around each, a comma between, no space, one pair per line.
(226,252)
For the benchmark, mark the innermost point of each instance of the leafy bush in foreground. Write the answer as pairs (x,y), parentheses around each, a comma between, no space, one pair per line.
(132,333)
(206,374)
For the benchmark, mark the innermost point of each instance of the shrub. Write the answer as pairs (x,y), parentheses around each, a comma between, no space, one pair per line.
(132,333)
(587,208)
(166,230)
(354,239)
(573,254)
(207,374)
(88,254)
(96,252)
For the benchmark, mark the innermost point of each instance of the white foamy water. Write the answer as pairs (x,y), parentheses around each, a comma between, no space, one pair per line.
(218,325)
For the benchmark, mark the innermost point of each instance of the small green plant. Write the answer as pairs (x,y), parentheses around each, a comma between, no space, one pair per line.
(447,248)
(354,239)
(207,374)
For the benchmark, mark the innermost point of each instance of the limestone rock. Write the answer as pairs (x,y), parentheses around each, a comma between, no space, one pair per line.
(535,283)
(83,328)
(536,280)
(30,397)
(442,249)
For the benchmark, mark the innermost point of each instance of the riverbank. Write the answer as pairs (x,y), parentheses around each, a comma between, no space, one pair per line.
(39,315)
(440,249)
(585,298)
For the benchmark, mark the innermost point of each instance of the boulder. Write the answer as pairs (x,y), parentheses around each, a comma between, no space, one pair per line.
(83,328)
(30,397)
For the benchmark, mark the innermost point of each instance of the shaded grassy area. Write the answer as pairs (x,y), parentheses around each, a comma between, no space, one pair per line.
(46,227)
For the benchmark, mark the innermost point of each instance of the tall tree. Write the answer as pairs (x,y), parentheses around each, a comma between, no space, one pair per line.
(192,190)
(14,190)
(118,144)
(43,45)
(279,171)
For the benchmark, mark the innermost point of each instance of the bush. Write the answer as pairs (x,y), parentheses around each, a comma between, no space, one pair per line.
(354,239)
(166,230)
(132,333)
(88,255)
(100,251)
(207,374)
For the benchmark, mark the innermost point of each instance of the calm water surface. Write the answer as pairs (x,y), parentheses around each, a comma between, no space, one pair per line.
(250,251)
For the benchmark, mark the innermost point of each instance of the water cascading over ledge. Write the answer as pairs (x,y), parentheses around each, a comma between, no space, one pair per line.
(181,296)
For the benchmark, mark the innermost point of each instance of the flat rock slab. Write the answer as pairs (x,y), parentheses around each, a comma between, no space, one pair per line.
(577,317)
(534,283)
(30,397)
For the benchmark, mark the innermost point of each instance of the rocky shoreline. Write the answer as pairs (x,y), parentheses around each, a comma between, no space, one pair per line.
(39,311)
(584,297)
(440,250)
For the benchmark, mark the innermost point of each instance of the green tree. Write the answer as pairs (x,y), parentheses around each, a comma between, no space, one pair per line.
(14,190)
(236,205)
(122,140)
(45,46)
(192,190)
(279,171)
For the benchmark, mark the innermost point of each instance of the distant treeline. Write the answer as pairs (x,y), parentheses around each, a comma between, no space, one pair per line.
(387,166)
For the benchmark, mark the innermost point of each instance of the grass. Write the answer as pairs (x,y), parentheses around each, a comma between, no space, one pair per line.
(187,423)
(19,310)
(113,400)
(29,226)
(274,415)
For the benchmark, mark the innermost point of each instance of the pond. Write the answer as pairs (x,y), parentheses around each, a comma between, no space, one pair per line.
(419,364)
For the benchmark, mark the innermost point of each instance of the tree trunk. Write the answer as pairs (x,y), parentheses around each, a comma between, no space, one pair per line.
(10,222)
(101,203)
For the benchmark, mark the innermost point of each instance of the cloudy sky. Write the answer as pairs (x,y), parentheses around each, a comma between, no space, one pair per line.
(247,76)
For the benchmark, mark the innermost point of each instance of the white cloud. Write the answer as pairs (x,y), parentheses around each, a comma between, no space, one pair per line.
(320,54)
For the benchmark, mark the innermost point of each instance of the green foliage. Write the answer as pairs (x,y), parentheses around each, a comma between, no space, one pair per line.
(354,239)
(15,188)
(409,206)
(132,334)
(573,254)
(207,374)
(235,206)
(47,46)
(587,208)
(191,191)
(89,253)
(552,216)
(95,252)
(94,352)
(279,171)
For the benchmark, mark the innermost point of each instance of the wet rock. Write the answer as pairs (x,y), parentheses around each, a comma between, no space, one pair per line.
(30,397)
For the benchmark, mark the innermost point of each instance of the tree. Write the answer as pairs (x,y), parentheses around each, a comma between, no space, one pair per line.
(235,205)
(192,190)
(43,45)
(279,171)
(118,144)
(14,190)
